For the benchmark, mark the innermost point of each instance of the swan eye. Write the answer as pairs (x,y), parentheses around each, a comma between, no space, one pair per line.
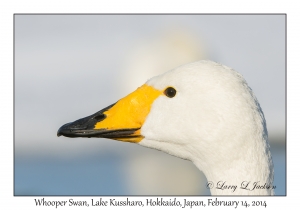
(170,92)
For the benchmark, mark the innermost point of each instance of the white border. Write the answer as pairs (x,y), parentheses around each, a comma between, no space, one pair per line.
(8,8)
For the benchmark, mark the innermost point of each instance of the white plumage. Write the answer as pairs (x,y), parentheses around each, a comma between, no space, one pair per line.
(216,122)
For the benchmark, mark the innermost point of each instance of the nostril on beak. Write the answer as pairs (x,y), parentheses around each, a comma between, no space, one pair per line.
(100,117)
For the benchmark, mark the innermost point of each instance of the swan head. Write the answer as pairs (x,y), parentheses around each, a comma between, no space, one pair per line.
(203,111)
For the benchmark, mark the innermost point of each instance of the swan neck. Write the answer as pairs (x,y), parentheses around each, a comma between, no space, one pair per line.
(248,172)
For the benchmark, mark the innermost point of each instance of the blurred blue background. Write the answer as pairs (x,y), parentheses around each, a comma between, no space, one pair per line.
(70,66)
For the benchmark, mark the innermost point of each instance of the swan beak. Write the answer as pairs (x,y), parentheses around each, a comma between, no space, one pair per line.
(120,121)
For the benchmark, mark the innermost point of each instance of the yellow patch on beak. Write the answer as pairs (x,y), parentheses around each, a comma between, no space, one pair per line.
(130,112)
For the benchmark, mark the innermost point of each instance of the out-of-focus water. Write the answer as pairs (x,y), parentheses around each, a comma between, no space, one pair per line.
(85,176)
(279,159)
(97,175)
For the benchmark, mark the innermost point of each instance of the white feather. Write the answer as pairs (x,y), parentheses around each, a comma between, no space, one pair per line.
(216,122)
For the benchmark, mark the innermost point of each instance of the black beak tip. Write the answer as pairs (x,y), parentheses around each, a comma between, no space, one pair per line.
(72,129)
(63,130)
(60,132)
